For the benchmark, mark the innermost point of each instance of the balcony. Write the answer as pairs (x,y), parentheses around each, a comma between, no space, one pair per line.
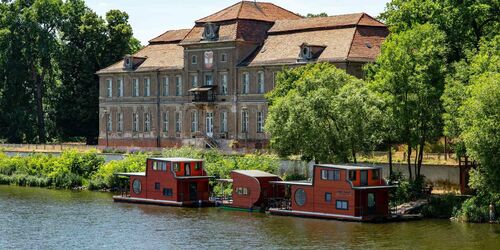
(205,94)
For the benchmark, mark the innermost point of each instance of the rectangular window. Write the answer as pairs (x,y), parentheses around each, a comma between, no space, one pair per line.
(163,166)
(260,122)
(165,122)
(194,80)
(167,192)
(209,80)
(147,122)
(109,123)
(244,121)
(194,59)
(197,165)
(178,122)
(223,57)
(223,83)
(109,84)
(135,122)
(331,175)
(178,85)
(223,122)
(194,121)
(119,87)
(352,175)
(155,165)
(246,83)
(260,82)
(135,87)
(165,86)
(176,167)
(375,174)
(328,197)
(157,186)
(147,86)
(120,122)
(341,205)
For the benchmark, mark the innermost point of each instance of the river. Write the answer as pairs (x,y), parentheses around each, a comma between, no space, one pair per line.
(35,218)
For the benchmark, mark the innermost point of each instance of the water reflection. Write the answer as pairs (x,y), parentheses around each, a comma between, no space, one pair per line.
(53,219)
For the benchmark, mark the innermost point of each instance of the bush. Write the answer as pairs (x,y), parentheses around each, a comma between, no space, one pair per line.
(476,208)
(442,206)
(406,191)
(105,177)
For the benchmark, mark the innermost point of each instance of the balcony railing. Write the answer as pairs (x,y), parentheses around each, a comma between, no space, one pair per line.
(204,94)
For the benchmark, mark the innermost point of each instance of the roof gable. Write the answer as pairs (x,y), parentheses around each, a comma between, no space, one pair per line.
(250,10)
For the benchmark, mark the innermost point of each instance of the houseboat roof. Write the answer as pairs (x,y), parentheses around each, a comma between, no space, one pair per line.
(132,174)
(254,173)
(175,159)
(194,177)
(349,167)
(304,183)
(374,187)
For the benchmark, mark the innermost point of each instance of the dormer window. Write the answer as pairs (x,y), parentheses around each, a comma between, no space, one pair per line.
(310,52)
(211,32)
(132,62)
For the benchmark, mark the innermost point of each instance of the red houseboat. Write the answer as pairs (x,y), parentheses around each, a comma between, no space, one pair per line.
(337,192)
(168,181)
(251,189)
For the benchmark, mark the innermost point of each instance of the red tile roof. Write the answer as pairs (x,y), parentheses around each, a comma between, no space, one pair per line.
(170,36)
(325,22)
(250,10)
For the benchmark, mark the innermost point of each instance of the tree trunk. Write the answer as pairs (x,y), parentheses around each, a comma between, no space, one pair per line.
(417,150)
(408,158)
(390,161)
(38,81)
(354,155)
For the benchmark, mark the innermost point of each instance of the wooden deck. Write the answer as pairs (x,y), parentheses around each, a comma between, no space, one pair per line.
(276,211)
(119,198)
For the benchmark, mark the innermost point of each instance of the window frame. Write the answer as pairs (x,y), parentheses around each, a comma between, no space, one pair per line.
(135,87)
(206,79)
(194,80)
(119,123)
(223,122)
(119,87)
(261,82)
(194,121)
(328,197)
(224,78)
(377,175)
(244,121)
(194,59)
(157,186)
(147,87)
(341,202)
(168,192)
(260,122)
(330,174)
(165,122)
(245,79)
(135,122)
(351,176)
(147,122)
(178,122)
(223,57)
(166,86)
(109,87)
(178,85)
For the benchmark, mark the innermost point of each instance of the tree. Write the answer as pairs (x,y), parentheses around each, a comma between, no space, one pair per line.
(322,113)
(322,14)
(409,75)
(465,22)
(472,104)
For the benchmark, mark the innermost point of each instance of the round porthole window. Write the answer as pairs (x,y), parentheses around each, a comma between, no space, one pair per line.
(300,197)
(136,186)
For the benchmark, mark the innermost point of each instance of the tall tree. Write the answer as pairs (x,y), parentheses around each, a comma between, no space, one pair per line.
(409,74)
(322,113)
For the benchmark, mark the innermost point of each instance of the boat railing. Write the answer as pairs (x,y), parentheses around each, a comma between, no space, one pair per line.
(280,203)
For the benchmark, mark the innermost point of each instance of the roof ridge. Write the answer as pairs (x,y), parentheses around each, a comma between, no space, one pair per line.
(284,10)
(241,7)
(220,11)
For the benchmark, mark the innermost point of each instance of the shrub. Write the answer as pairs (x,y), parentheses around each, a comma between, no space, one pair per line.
(444,206)
(105,177)
(476,208)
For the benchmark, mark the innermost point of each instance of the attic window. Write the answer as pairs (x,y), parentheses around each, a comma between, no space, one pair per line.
(128,62)
(310,52)
(132,62)
(211,32)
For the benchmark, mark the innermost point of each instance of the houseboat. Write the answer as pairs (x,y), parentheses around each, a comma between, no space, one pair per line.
(337,192)
(168,181)
(252,190)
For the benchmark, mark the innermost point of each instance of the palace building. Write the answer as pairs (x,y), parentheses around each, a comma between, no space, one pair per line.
(206,86)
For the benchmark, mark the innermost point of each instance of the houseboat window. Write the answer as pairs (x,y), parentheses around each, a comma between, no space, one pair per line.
(176,166)
(371,200)
(187,168)
(197,166)
(245,191)
(157,186)
(136,186)
(155,165)
(342,205)
(328,197)
(167,192)
(352,175)
(375,174)
(300,197)
(163,166)
(330,175)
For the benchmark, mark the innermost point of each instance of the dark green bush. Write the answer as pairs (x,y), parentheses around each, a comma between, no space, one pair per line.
(443,206)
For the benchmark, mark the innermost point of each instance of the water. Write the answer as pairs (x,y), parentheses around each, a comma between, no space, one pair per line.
(57,219)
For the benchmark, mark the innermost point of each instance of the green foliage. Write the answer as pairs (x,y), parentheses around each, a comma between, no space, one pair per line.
(105,177)
(49,53)
(476,208)
(69,170)
(443,206)
(406,190)
(322,14)
(321,112)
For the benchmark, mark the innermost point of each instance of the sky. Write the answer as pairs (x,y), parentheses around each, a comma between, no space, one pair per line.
(151,18)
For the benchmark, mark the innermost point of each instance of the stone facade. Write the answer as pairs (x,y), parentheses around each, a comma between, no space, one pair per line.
(151,101)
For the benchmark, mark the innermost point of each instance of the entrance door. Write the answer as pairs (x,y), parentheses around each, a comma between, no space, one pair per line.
(210,124)
(364,178)
(193,191)
(372,207)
